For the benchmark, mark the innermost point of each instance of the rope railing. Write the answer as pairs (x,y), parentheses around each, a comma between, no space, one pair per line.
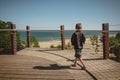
(105,30)
(8,30)
(57,30)
(113,25)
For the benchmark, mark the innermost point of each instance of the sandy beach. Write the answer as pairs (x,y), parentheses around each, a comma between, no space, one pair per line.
(47,44)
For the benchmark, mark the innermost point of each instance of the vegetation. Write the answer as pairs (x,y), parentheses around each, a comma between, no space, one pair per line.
(34,42)
(68,46)
(115,45)
(5,37)
(59,46)
(52,46)
(94,43)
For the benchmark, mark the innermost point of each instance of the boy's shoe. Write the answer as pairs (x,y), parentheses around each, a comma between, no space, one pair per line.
(73,65)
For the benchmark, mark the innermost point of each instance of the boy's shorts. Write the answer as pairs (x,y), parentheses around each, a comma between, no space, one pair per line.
(78,53)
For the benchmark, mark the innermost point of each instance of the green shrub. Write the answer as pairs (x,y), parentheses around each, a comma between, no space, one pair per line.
(23,43)
(5,37)
(68,46)
(19,42)
(5,40)
(34,42)
(94,40)
(118,36)
(115,45)
(94,43)
(59,46)
(52,46)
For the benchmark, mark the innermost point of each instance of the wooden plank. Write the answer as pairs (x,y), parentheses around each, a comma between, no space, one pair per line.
(31,68)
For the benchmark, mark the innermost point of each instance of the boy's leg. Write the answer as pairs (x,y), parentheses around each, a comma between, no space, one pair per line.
(82,63)
(75,62)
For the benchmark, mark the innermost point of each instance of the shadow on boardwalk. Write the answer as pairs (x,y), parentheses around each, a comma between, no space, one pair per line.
(51,67)
(55,66)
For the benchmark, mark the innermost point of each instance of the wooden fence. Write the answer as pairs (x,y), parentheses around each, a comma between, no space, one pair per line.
(105,36)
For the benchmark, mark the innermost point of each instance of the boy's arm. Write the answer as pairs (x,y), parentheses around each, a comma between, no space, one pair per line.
(84,39)
(72,39)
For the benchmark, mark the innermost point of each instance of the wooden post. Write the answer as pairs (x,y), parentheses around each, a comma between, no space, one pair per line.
(13,39)
(28,35)
(62,37)
(105,28)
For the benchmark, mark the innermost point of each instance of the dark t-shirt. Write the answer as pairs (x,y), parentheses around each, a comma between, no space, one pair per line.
(77,39)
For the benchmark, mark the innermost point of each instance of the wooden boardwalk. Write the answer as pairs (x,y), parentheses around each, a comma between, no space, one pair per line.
(17,67)
(42,64)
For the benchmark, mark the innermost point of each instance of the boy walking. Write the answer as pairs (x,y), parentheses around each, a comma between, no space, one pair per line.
(77,40)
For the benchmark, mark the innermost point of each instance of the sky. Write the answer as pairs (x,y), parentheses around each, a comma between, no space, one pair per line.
(50,14)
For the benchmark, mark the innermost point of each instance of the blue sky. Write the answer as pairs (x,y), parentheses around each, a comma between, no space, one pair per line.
(50,14)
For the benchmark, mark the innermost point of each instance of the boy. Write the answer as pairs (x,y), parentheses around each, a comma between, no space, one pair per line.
(77,40)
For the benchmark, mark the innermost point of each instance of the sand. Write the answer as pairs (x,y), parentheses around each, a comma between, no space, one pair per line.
(47,44)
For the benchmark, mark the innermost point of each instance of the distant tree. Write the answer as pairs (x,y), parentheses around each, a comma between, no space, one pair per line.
(5,36)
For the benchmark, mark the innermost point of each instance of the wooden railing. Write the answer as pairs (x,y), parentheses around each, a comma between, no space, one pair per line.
(105,31)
